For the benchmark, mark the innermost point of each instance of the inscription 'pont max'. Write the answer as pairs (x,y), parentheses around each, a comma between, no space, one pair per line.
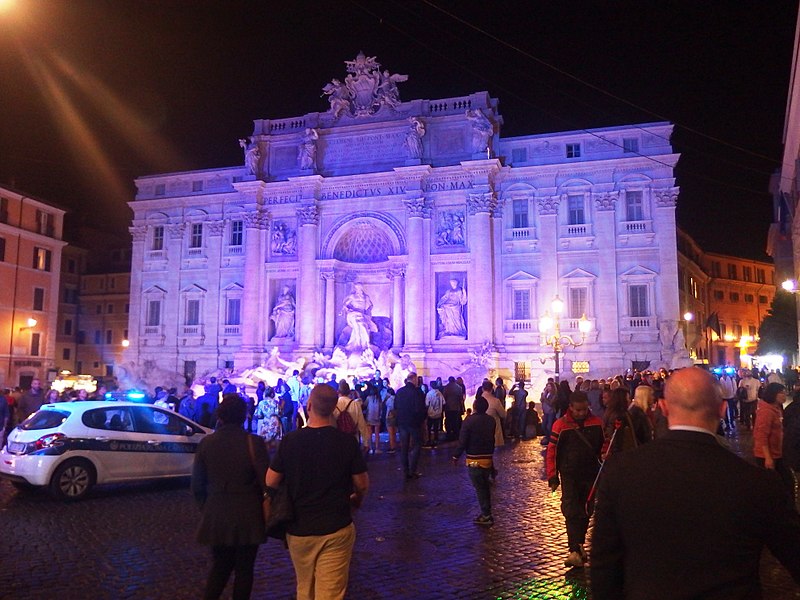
(363,147)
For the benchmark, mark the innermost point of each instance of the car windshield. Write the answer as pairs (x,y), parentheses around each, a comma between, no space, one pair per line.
(45,419)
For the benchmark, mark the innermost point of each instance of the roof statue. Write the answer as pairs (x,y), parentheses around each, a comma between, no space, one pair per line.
(365,89)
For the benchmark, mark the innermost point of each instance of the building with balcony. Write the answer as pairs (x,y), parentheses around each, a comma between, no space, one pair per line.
(30,266)
(382,228)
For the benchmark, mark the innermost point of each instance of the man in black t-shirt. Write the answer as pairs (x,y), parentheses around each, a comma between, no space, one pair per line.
(326,476)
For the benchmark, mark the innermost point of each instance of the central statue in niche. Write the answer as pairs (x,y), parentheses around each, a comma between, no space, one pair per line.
(357,309)
(362,330)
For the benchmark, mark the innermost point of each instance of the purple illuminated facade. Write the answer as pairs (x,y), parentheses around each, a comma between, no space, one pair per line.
(383,228)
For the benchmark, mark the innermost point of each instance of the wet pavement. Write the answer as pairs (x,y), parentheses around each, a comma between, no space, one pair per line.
(415,540)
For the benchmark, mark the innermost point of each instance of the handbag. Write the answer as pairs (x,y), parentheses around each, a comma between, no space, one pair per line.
(276,507)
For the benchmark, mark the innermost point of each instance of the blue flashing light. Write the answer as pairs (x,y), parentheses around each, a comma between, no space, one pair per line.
(108,396)
(135,396)
(717,370)
(730,370)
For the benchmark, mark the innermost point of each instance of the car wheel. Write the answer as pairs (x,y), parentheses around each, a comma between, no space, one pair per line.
(72,480)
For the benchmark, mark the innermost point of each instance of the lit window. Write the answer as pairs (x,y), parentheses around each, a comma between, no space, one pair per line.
(41,259)
(577,302)
(233,316)
(633,206)
(520,214)
(573,150)
(637,299)
(193,312)
(630,145)
(154,313)
(575,210)
(237,230)
(522,305)
(196,240)
(158,238)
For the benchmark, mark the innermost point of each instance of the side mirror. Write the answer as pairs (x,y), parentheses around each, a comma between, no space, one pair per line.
(188,431)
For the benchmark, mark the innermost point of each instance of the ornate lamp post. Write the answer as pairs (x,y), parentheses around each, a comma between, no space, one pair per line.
(556,339)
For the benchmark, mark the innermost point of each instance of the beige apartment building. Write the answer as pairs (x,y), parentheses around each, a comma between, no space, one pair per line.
(30,265)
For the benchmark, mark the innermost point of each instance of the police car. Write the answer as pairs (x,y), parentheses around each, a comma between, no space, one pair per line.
(69,447)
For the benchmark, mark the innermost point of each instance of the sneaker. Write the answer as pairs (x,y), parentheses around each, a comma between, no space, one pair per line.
(484,520)
(574,559)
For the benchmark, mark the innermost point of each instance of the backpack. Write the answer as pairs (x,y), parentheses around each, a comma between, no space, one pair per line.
(345,423)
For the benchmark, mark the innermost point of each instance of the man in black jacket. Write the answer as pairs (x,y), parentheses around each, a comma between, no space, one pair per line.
(682,516)
(409,405)
(477,439)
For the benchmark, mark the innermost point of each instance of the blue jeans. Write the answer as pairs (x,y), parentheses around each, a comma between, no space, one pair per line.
(547,423)
(409,449)
(480,481)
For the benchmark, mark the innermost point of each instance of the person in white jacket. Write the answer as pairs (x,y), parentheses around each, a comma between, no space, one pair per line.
(727,387)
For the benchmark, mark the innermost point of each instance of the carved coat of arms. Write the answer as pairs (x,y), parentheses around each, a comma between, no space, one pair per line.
(365,89)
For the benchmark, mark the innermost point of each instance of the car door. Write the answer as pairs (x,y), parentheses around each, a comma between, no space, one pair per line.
(114,444)
(171,440)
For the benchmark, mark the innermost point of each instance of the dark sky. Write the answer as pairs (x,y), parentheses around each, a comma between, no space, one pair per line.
(96,92)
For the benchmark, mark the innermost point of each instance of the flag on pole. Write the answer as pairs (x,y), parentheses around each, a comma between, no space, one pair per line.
(713,323)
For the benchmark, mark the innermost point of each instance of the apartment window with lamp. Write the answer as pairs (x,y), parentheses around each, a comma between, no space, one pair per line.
(44,223)
(42,258)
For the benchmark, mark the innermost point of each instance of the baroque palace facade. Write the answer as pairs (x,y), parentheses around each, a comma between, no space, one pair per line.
(382,228)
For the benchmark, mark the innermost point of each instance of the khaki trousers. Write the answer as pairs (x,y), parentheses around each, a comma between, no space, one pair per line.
(322,563)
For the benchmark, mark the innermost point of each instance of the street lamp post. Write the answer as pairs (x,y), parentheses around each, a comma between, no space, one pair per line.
(557,341)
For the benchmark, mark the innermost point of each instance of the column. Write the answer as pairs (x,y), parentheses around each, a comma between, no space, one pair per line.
(548,242)
(607,293)
(667,301)
(254,222)
(330,308)
(498,308)
(479,286)
(171,309)
(417,208)
(396,275)
(308,225)
(211,321)
(139,235)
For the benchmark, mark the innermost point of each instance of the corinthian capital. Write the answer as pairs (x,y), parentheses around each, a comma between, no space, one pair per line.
(418,207)
(548,205)
(138,233)
(308,215)
(258,219)
(667,197)
(176,230)
(605,200)
(481,203)
(214,227)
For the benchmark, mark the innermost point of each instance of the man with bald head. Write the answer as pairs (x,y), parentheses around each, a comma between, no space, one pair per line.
(683,517)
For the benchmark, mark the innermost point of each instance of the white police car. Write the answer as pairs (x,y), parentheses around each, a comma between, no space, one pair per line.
(71,446)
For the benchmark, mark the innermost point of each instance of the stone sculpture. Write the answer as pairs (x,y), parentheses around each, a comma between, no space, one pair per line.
(252,154)
(357,309)
(450,309)
(283,314)
(307,151)
(414,138)
(482,130)
(365,89)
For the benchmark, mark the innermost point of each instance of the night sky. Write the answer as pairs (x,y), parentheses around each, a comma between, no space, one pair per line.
(94,93)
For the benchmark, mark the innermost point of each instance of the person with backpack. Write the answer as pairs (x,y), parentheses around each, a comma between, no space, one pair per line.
(349,416)
(434,401)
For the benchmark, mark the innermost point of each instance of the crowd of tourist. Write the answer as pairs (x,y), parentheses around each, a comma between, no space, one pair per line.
(584,425)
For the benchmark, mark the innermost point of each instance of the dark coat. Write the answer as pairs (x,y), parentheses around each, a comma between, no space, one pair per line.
(409,404)
(683,517)
(229,488)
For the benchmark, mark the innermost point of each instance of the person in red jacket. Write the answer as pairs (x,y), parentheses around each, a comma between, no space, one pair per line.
(576,445)
(768,434)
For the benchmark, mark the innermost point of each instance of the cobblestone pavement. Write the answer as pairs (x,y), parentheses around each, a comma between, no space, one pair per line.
(415,540)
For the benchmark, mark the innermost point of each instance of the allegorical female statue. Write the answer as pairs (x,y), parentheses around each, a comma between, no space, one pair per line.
(414,138)
(307,151)
(451,311)
(357,309)
(283,314)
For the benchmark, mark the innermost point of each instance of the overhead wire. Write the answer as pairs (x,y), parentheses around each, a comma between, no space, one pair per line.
(387,22)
